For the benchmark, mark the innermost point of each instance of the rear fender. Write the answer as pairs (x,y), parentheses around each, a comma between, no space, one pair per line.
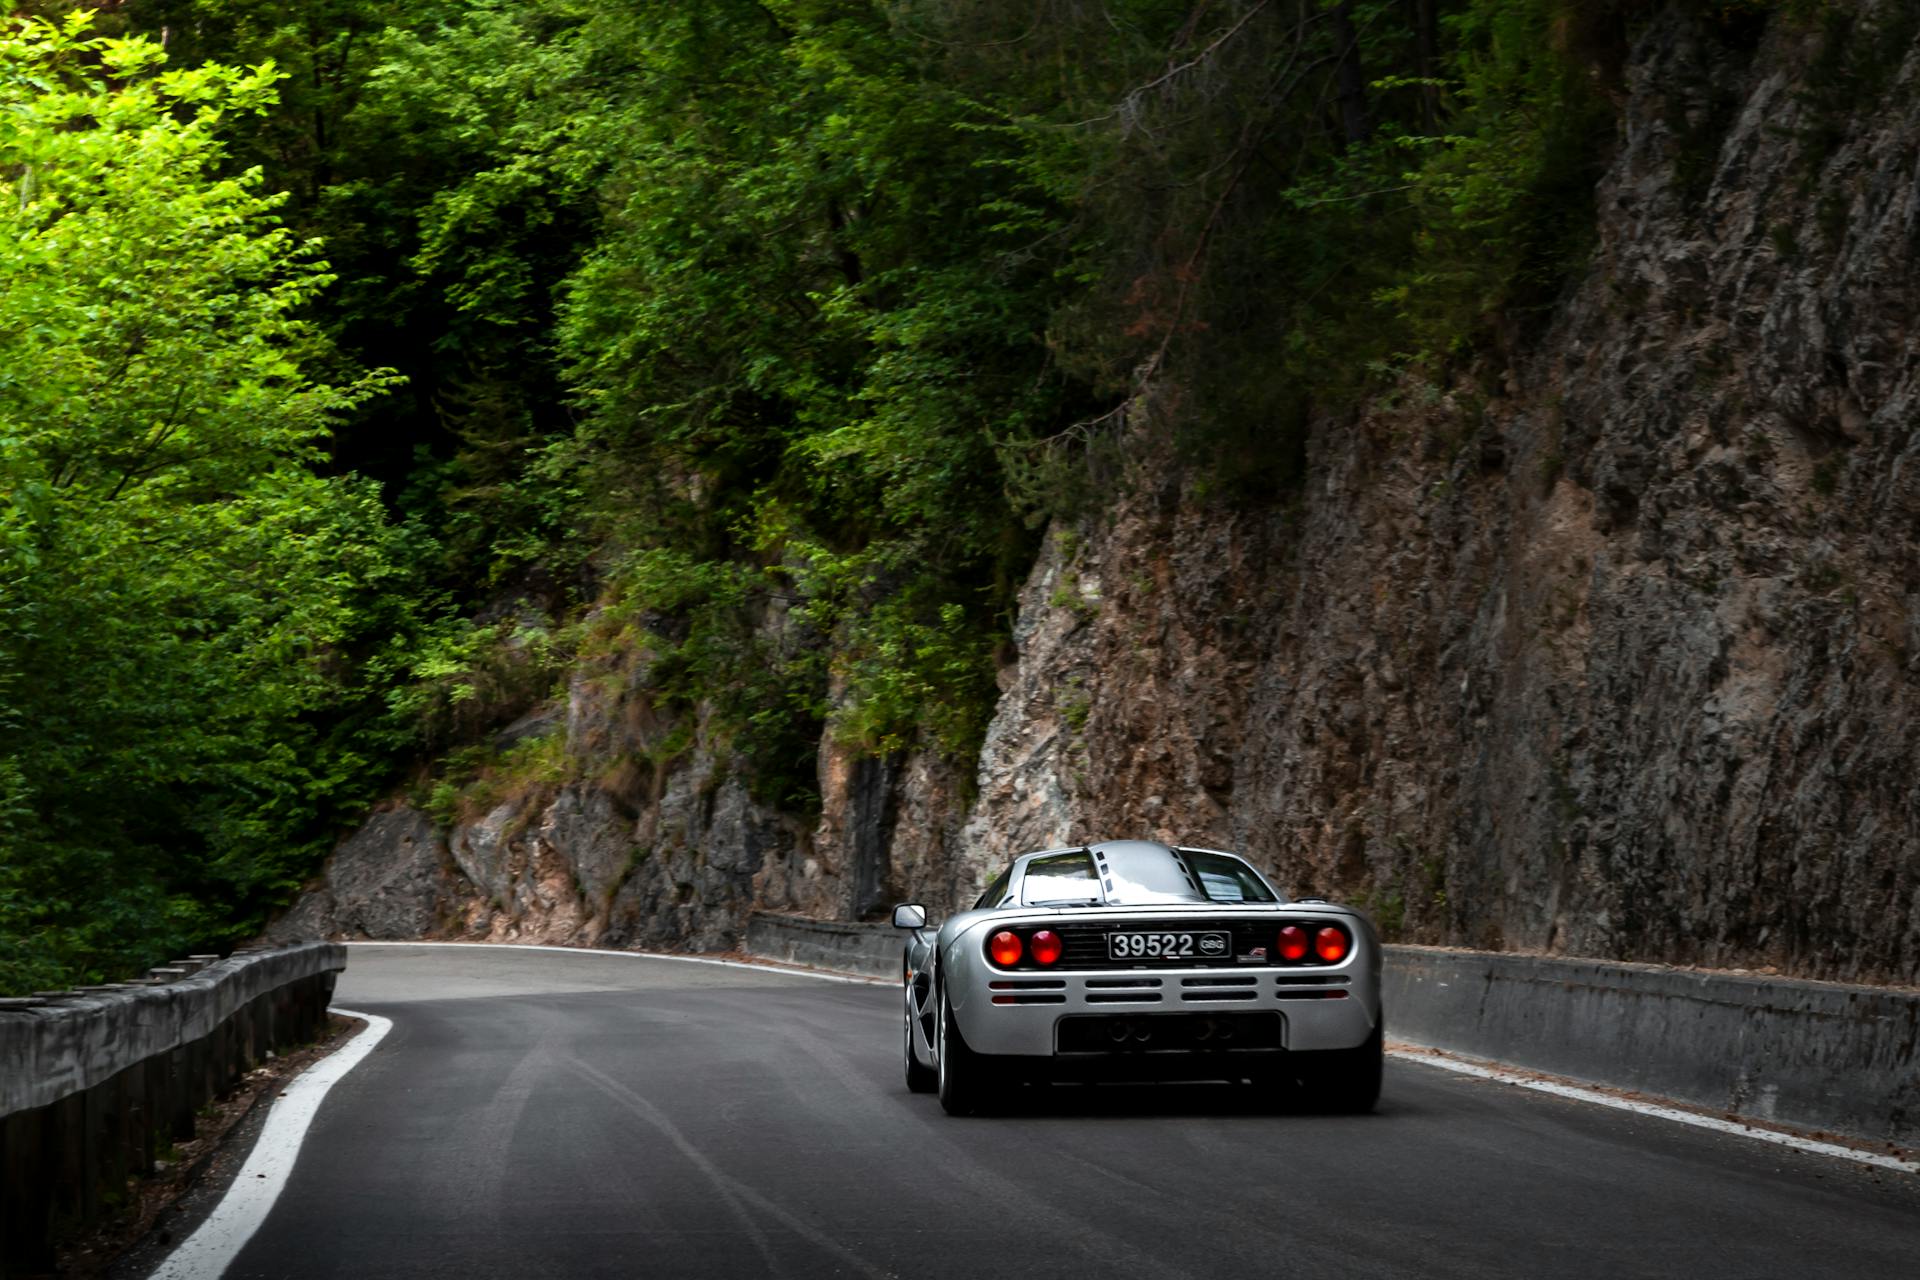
(961,969)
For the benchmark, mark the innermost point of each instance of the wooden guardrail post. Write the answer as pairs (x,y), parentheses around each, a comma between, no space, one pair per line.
(26,1195)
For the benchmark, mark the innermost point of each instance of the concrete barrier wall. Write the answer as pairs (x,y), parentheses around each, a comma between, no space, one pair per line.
(1814,1054)
(92,1084)
(873,949)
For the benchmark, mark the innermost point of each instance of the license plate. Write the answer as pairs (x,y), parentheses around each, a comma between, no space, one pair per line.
(1169,946)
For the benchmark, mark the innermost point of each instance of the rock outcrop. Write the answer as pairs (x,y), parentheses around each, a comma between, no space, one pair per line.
(390,880)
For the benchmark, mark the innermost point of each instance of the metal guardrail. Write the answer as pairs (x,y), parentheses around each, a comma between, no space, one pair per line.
(94,1081)
(1820,1055)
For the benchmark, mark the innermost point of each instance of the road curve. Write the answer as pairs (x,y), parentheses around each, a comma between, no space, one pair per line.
(541,1114)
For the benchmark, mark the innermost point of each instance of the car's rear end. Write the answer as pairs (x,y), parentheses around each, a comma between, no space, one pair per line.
(1139,959)
(1173,992)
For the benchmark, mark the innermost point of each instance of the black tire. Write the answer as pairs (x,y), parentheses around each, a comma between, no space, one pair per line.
(1347,1081)
(965,1081)
(919,1079)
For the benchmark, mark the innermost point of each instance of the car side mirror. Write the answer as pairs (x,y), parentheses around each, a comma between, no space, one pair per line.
(910,916)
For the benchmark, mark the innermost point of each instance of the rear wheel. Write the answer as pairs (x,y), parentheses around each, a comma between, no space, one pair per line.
(919,1079)
(965,1078)
(1348,1080)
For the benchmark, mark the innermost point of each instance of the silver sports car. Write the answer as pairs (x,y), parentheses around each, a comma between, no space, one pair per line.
(1132,959)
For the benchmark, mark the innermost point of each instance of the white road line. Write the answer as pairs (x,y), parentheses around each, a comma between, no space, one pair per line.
(206,1253)
(766,966)
(1560,1089)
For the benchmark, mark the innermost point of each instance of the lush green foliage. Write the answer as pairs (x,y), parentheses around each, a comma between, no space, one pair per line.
(757,336)
(175,578)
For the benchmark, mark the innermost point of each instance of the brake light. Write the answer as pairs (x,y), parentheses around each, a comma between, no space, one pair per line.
(1293,943)
(1004,949)
(1330,944)
(1046,946)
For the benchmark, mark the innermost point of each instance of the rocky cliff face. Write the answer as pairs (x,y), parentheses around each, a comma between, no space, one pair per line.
(1619,660)
(1609,647)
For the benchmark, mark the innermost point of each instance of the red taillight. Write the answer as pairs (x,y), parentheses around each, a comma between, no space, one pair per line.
(1046,946)
(1330,944)
(1004,949)
(1293,943)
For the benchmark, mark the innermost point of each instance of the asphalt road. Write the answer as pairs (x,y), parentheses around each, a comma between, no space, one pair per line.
(535,1114)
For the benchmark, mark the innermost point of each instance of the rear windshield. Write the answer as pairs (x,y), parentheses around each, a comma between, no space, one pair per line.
(1225,879)
(1061,877)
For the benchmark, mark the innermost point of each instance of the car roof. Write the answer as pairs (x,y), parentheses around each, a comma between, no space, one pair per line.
(1139,872)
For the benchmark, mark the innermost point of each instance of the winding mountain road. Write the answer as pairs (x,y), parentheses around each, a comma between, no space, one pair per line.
(544,1114)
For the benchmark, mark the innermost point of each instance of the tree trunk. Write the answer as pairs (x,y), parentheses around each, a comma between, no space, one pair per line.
(1349,81)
